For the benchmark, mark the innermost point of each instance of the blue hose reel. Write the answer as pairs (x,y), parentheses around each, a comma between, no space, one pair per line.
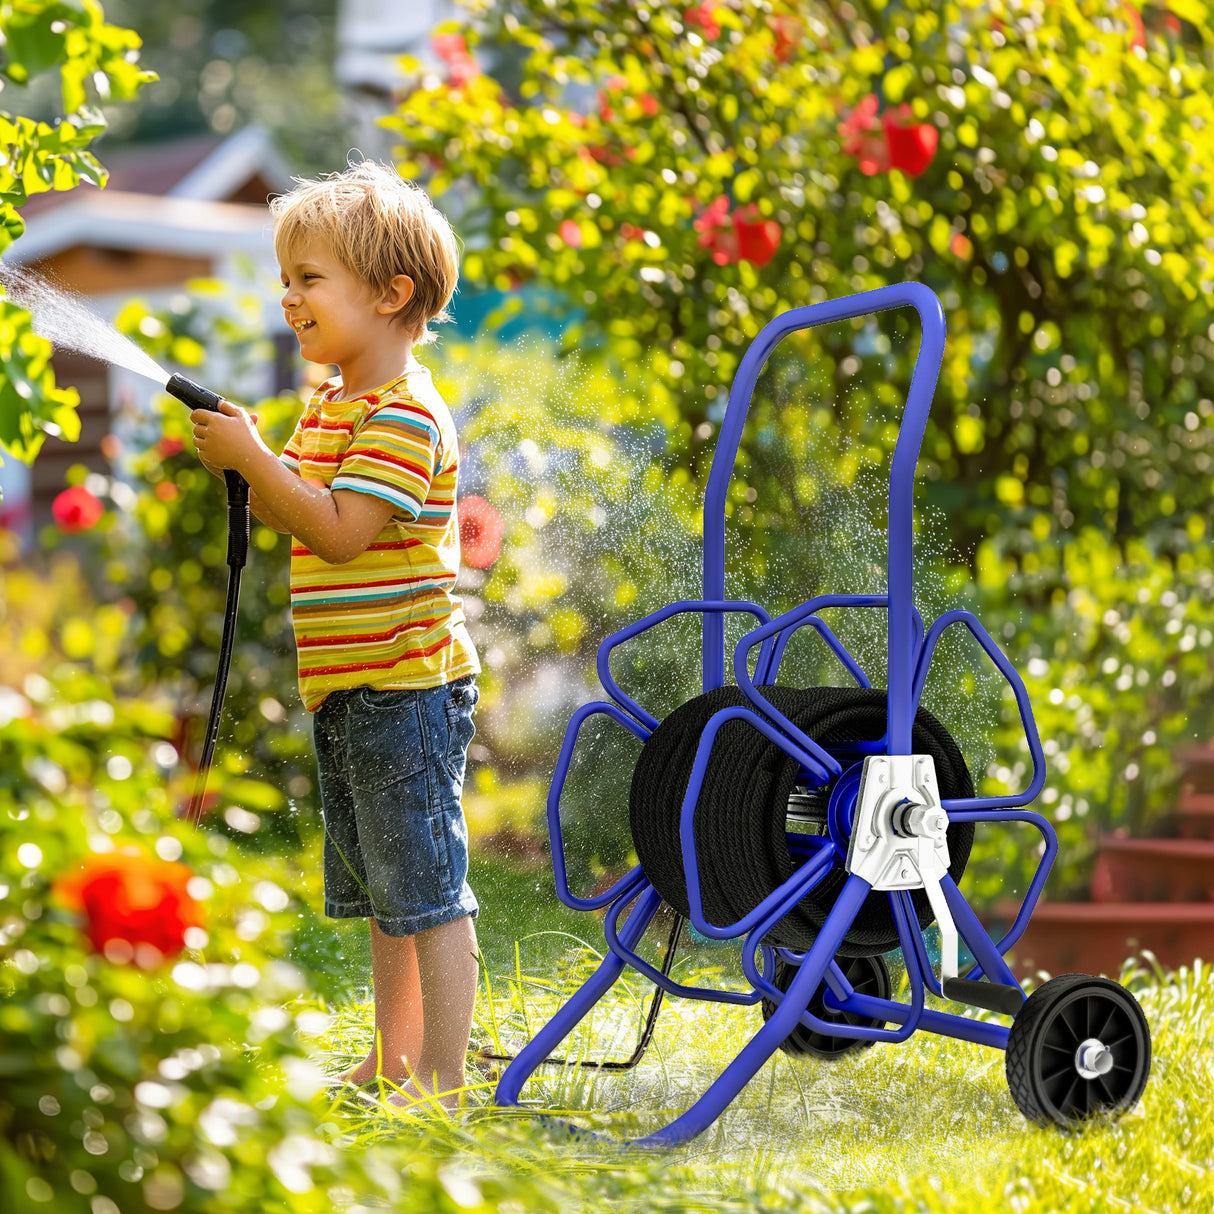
(722,778)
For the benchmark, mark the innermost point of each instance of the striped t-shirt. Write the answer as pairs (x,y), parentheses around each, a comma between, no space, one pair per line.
(388,618)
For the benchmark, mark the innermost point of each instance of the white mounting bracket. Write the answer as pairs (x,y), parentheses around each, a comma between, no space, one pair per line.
(898,840)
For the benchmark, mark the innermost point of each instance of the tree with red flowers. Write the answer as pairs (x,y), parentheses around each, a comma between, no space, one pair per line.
(683,173)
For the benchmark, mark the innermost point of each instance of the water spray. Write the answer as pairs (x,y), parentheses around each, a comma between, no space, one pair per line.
(65,319)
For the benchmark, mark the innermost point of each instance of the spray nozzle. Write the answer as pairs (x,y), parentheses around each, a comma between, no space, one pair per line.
(192,394)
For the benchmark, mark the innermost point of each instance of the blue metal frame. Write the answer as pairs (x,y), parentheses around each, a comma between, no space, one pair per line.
(910,649)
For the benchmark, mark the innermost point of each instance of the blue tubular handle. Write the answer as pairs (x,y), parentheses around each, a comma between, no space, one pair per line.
(684,606)
(1008,671)
(555,836)
(902,634)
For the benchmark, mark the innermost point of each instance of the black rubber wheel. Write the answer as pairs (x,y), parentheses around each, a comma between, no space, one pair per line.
(1056,1073)
(868,976)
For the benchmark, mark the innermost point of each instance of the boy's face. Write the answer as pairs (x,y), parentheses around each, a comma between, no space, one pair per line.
(333,313)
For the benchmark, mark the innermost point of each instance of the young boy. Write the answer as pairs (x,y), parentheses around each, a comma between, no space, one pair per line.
(366,486)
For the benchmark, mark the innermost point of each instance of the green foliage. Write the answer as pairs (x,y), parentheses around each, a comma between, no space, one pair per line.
(1065,219)
(1120,675)
(95,61)
(194,1085)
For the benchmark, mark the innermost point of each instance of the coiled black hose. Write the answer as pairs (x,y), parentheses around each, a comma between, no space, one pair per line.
(741,818)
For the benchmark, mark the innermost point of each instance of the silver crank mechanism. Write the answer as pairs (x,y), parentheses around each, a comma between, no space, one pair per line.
(899,840)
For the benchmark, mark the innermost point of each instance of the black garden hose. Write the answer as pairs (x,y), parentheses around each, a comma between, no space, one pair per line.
(238,553)
(741,818)
(197,397)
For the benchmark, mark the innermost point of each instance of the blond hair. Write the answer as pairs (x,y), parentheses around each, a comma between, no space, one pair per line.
(378,226)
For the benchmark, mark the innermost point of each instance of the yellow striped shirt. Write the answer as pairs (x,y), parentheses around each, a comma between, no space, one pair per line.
(388,618)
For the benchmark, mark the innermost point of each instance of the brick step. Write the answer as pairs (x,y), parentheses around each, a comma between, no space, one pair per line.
(1198,762)
(1097,937)
(1195,814)
(1153,870)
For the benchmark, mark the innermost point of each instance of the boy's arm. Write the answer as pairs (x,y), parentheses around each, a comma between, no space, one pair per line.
(335,526)
(261,511)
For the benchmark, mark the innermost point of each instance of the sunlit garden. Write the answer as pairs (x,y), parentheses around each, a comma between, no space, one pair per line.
(639,189)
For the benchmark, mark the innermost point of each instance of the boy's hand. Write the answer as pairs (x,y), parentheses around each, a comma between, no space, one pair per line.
(227,438)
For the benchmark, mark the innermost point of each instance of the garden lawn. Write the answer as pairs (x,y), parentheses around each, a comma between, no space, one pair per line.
(927,1125)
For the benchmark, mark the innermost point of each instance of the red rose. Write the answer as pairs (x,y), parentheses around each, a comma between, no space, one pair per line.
(453,51)
(742,236)
(702,15)
(862,138)
(449,46)
(758,239)
(890,144)
(1134,18)
(911,148)
(716,232)
(76,509)
(480,532)
(788,31)
(130,900)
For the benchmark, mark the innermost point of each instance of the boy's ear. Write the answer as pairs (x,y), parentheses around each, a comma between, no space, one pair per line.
(399,292)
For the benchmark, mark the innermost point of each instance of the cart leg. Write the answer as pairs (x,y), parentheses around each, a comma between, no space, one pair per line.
(588,994)
(767,1040)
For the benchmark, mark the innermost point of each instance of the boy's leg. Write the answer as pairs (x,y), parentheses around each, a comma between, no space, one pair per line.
(398,1009)
(447,967)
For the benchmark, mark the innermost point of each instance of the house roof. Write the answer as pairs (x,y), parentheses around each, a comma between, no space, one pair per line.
(116,220)
(190,195)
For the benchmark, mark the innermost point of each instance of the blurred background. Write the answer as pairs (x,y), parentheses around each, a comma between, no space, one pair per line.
(639,189)
(631,219)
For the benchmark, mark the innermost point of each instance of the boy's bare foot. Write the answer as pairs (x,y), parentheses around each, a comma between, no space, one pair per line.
(367,1072)
(411,1096)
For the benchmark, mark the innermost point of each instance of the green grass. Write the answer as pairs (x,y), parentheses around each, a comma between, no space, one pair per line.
(928,1125)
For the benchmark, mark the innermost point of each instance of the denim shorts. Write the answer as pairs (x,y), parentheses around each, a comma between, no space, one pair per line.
(391,772)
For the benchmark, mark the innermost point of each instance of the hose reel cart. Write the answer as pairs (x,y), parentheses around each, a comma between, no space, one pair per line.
(891,812)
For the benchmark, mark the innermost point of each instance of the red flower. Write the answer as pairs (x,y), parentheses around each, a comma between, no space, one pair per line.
(76,509)
(1134,17)
(892,144)
(863,139)
(788,31)
(649,105)
(168,447)
(703,16)
(742,236)
(758,239)
(480,532)
(571,234)
(449,46)
(911,148)
(961,246)
(716,232)
(453,51)
(133,904)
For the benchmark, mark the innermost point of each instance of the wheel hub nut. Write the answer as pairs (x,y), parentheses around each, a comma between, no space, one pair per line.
(1093,1058)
